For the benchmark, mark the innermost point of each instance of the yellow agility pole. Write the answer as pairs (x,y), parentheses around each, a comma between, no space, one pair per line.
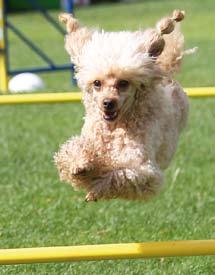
(107,252)
(75,97)
(40,98)
(200,91)
(3,62)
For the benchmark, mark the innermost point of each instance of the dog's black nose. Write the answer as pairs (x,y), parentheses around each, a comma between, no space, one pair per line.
(109,104)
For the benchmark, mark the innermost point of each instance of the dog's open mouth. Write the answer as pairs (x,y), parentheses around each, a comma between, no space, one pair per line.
(110,116)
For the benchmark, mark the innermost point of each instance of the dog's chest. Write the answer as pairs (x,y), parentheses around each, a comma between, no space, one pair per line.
(114,140)
(117,147)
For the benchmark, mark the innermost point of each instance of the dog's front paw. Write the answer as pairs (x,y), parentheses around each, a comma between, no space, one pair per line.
(81,170)
(91,196)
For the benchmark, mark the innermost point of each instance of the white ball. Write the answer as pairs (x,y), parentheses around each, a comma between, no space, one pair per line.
(26,82)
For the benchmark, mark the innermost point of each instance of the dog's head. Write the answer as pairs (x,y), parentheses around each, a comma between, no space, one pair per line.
(113,67)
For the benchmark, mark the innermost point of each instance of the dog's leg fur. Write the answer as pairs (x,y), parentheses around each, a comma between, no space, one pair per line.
(75,161)
(126,183)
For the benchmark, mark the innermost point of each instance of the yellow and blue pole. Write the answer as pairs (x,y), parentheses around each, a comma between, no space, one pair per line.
(3,56)
(107,252)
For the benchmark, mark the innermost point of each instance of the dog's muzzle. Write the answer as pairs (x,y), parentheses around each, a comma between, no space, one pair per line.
(110,107)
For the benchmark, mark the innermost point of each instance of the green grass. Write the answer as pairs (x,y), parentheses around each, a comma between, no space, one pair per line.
(38,210)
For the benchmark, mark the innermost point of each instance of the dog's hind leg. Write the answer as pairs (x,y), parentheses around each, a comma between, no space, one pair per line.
(127,184)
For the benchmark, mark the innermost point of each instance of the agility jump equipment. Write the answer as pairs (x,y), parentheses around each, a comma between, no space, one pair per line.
(107,252)
(5,24)
(76,97)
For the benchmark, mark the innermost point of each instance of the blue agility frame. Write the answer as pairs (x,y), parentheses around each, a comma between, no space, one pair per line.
(51,66)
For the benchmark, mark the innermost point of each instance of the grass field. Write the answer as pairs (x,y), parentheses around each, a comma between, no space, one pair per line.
(38,210)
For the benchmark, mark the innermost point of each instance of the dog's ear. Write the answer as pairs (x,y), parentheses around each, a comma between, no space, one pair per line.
(155,42)
(77,36)
(71,23)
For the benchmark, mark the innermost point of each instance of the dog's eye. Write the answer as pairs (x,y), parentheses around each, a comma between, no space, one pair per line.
(97,83)
(122,84)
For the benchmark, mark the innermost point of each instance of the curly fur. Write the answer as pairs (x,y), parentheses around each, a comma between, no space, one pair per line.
(124,157)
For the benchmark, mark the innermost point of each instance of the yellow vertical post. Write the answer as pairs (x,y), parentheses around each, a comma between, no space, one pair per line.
(3,57)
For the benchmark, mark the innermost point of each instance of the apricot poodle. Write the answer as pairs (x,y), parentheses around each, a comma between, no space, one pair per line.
(135,110)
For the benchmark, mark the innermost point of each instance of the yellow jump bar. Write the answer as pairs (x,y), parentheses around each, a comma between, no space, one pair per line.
(40,98)
(107,252)
(76,97)
(200,91)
